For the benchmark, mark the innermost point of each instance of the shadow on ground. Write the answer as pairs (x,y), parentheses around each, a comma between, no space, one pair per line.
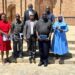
(51,57)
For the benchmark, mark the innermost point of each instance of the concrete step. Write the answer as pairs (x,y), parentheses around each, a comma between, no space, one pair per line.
(71,46)
(51,60)
(71,42)
(68,59)
(72,52)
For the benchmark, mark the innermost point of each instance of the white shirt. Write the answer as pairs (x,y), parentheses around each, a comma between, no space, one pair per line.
(32,26)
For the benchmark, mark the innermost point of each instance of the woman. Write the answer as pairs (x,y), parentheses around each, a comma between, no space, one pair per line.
(4,37)
(59,42)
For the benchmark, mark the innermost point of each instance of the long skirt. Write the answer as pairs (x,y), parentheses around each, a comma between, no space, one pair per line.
(59,43)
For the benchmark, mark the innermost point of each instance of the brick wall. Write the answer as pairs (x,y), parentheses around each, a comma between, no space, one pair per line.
(67,7)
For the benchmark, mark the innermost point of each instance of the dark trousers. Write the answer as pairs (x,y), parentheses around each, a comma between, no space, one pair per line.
(17,47)
(44,50)
(32,46)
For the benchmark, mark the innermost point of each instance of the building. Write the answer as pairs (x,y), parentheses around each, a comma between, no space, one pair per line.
(64,7)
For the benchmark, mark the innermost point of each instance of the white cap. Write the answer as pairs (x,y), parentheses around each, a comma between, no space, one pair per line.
(31,13)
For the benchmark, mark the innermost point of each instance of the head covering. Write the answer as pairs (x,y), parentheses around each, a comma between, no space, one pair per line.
(62,17)
(59,24)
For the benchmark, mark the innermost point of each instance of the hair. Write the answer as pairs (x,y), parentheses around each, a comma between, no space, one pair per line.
(30,5)
(3,14)
(0,16)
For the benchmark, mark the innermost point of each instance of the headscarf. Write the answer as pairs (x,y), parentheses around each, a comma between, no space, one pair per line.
(59,24)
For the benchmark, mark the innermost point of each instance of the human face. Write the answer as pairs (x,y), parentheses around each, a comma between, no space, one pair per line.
(44,16)
(31,17)
(30,7)
(17,17)
(4,17)
(60,19)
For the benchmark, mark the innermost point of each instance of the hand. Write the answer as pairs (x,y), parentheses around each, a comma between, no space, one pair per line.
(8,35)
(38,38)
(26,40)
(61,30)
(47,39)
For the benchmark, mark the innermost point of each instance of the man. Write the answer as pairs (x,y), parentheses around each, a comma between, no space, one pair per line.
(50,15)
(43,31)
(17,36)
(26,14)
(29,33)
(26,17)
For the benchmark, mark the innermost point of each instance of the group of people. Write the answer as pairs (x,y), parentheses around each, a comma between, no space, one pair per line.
(34,29)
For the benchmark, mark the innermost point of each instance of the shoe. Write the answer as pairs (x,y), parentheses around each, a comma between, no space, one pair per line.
(45,63)
(34,60)
(20,56)
(61,61)
(30,60)
(8,60)
(40,64)
(14,60)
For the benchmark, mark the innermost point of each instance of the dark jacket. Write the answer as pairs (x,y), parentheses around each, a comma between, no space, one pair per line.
(26,16)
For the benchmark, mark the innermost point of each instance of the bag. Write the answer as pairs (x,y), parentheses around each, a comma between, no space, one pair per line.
(5,38)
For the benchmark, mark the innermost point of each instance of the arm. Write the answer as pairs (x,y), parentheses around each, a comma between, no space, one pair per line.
(1,32)
(51,30)
(24,19)
(25,30)
(12,28)
(64,30)
(36,30)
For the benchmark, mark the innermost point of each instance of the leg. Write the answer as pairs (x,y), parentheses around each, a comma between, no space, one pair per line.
(34,50)
(45,52)
(7,54)
(30,50)
(20,46)
(61,61)
(15,49)
(41,52)
(27,46)
(2,56)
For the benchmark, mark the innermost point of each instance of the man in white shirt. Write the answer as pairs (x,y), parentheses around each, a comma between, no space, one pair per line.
(30,36)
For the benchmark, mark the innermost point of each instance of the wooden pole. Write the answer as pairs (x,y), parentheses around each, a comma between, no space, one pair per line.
(3,5)
(25,5)
(6,6)
(60,6)
(21,7)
